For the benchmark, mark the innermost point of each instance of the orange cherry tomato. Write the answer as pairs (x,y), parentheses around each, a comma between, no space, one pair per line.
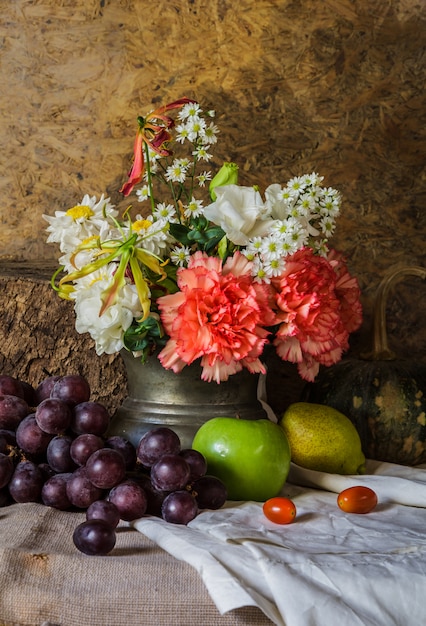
(357,499)
(280,510)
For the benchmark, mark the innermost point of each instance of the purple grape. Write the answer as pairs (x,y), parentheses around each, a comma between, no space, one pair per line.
(4,445)
(80,491)
(106,468)
(125,447)
(46,471)
(94,537)
(209,492)
(154,498)
(196,462)
(30,438)
(105,511)
(6,469)
(179,507)
(29,393)
(170,473)
(54,492)
(53,416)
(10,386)
(12,411)
(26,482)
(58,454)
(130,500)
(155,443)
(84,446)
(9,436)
(72,389)
(90,417)
(44,389)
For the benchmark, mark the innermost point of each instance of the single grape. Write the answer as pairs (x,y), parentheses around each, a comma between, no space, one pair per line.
(170,473)
(84,446)
(12,411)
(53,416)
(94,537)
(30,438)
(90,417)
(106,468)
(130,500)
(26,482)
(44,389)
(155,443)
(210,492)
(11,386)
(54,492)
(9,436)
(46,471)
(29,393)
(6,469)
(179,507)
(72,389)
(196,462)
(4,446)
(154,498)
(80,491)
(125,447)
(58,454)
(105,511)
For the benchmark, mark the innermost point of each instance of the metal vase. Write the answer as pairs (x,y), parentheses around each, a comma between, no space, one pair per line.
(182,402)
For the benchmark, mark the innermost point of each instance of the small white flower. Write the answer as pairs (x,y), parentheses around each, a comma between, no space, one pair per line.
(208,134)
(194,208)
(327,226)
(270,248)
(190,110)
(165,211)
(296,185)
(258,272)
(201,154)
(176,172)
(196,127)
(182,133)
(180,255)
(274,266)
(203,178)
(143,193)
(321,247)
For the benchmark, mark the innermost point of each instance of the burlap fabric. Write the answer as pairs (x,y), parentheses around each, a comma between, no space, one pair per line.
(45,581)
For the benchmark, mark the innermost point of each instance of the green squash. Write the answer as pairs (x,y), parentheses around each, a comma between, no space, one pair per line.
(383,396)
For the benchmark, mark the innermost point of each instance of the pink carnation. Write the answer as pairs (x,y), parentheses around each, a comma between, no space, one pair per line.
(219,315)
(318,307)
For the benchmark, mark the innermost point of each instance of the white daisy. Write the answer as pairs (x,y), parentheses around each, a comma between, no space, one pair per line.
(180,255)
(194,208)
(143,193)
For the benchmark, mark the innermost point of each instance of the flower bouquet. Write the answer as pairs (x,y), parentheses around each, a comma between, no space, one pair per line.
(213,271)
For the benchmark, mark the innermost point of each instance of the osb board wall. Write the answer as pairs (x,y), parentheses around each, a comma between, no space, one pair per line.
(335,86)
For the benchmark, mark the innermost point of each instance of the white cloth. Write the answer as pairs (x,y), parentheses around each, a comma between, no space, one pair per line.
(327,567)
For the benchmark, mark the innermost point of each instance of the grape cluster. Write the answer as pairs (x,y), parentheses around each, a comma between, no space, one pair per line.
(54,449)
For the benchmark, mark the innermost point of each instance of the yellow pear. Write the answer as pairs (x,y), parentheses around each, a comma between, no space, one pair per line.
(322,439)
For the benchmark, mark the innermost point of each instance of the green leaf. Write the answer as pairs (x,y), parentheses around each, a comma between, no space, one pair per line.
(180,233)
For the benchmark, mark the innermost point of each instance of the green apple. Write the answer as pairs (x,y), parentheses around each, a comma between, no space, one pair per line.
(251,457)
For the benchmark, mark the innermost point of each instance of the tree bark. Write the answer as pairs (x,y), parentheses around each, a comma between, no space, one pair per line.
(38,337)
